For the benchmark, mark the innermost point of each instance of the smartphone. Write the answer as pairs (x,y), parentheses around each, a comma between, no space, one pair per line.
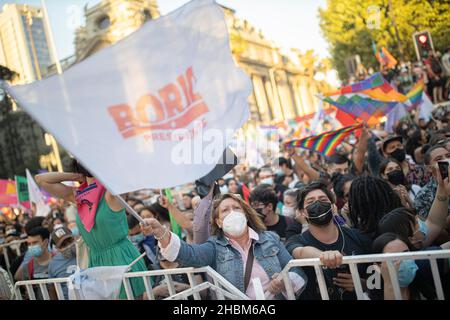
(443,168)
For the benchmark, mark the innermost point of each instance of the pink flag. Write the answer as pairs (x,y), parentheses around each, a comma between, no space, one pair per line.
(8,195)
(88,198)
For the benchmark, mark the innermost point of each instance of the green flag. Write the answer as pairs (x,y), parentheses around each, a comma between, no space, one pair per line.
(175,226)
(22,189)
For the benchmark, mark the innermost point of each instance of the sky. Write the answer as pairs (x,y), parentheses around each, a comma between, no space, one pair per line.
(290,23)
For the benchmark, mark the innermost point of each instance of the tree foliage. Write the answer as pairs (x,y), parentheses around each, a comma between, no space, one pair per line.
(350,26)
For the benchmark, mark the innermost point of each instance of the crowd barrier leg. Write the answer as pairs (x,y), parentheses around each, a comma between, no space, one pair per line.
(437,279)
(322,285)
(356,281)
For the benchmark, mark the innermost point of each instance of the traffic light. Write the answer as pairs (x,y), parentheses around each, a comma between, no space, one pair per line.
(423,44)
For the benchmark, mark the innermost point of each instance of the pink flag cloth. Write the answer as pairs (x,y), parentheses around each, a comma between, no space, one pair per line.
(88,198)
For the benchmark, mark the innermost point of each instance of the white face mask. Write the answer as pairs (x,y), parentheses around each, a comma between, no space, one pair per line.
(267,181)
(223,189)
(288,211)
(234,224)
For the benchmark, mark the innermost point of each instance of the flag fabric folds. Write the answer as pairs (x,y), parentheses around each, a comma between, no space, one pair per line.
(386,58)
(325,143)
(159,111)
(23,197)
(368,100)
(8,194)
(36,197)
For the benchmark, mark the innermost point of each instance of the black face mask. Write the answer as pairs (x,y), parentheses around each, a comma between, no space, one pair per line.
(396,177)
(319,213)
(399,155)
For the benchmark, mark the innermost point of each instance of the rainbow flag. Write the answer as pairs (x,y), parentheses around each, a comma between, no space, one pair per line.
(368,100)
(415,95)
(386,58)
(324,143)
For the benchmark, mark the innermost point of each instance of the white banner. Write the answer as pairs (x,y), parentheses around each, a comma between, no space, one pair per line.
(36,197)
(154,110)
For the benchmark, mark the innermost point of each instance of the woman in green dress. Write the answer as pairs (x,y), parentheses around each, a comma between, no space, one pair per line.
(101,220)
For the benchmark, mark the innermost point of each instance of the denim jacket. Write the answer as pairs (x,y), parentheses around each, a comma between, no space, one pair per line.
(218,253)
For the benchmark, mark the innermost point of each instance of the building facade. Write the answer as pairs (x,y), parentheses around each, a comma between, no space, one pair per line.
(24,42)
(109,21)
(283,83)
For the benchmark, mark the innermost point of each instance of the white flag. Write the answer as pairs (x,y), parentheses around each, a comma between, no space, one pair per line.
(36,196)
(425,107)
(316,125)
(393,116)
(154,110)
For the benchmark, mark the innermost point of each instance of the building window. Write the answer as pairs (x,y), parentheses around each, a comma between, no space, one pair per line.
(103,22)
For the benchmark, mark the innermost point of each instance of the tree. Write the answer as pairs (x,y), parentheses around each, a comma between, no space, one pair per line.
(21,138)
(350,26)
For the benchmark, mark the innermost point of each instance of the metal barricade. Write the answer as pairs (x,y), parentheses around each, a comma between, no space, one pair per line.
(353,261)
(15,243)
(220,286)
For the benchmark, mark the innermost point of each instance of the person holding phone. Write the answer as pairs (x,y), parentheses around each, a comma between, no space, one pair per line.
(327,240)
(425,197)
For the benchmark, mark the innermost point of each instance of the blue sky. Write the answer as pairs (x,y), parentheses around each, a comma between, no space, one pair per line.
(290,23)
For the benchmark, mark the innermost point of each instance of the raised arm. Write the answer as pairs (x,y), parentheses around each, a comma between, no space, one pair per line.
(202,216)
(302,165)
(52,183)
(361,149)
(175,249)
(374,158)
(183,220)
(437,218)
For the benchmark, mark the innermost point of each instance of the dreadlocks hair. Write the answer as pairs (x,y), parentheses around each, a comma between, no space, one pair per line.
(369,200)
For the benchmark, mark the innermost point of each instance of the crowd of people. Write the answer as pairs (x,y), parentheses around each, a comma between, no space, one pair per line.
(434,69)
(378,193)
(381,194)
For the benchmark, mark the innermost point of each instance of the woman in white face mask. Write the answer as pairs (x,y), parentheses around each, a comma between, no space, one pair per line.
(239,249)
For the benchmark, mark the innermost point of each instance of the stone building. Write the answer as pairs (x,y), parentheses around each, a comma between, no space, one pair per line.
(283,82)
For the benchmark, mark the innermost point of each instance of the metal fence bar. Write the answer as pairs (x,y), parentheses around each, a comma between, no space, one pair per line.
(288,286)
(128,290)
(220,295)
(59,291)
(18,294)
(189,292)
(170,284)
(394,280)
(193,283)
(356,281)
(30,292)
(322,285)
(370,259)
(148,288)
(44,291)
(225,283)
(437,279)
(8,265)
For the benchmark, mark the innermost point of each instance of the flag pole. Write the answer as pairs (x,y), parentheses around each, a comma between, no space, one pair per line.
(130,209)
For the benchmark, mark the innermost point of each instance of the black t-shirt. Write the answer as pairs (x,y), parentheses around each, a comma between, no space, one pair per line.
(294,229)
(350,242)
(281,226)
